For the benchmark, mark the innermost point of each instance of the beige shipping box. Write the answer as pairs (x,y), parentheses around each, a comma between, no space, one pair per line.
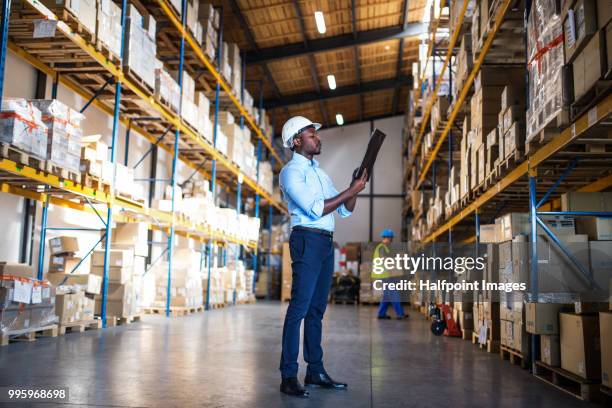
(89,283)
(16,269)
(543,318)
(120,258)
(67,306)
(67,263)
(115,274)
(550,349)
(597,228)
(580,346)
(605,330)
(63,245)
(580,201)
(134,234)
(489,233)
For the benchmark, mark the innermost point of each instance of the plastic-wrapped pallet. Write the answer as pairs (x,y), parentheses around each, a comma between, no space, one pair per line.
(266,177)
(109,25)
(83,10)
(30,307)
(545,55)
(21,126)
(64,133)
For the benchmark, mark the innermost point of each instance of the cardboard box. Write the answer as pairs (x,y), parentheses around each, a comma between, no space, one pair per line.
(605,331)
(120,258)
(579,25)
(580,346)
(597,228)
(91,284)
(16,269)
(133,234)
(513,224)
(489,233)
(543,318)
(580,201)
(560,224)
(550,349)
(68,306)
(67,263)
(115,274)
(63,245)
(590,65)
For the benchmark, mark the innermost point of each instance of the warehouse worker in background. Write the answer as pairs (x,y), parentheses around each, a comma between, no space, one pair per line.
(392,297)
(311,199)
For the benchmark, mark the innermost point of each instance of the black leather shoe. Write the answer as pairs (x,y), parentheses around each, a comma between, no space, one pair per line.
(324,380)
(291,386)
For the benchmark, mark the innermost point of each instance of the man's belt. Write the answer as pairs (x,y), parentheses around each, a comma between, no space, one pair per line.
(315,230)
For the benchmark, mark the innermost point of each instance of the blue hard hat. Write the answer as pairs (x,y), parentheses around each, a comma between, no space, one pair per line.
(387,233)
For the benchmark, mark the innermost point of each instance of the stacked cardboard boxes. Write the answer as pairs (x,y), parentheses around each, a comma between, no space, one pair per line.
(63,131)
(140,46)
(108,29)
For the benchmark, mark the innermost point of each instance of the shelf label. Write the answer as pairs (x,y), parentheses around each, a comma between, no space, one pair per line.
(23,292)
(592,116)
(44,28)
(36,295)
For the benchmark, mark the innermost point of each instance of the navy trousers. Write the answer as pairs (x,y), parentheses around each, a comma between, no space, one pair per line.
(312,256)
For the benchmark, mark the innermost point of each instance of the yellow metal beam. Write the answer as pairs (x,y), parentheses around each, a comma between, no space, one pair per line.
(499,17)
(434,96)
(211,68)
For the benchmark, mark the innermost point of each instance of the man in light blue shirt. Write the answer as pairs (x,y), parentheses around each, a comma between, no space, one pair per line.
(311,199)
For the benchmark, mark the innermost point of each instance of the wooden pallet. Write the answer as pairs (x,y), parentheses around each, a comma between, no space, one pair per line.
(128,197)
(20,157)
(87,180)
(175,311)
(134,77)
(510,162)
(491,346)
(515,357)
(80,326)
(112,321)
(217,305)
(62,172)
(540,139)
(345,302)
(75,24)
(104,49)
(598,91)
(585,390)
(30,334)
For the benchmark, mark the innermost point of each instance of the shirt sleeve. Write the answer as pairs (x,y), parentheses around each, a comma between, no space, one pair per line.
(295,187)
(342,210)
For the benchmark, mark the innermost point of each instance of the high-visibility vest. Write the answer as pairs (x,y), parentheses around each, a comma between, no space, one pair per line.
(377,254)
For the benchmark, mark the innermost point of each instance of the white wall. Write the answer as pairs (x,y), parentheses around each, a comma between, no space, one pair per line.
(343,149)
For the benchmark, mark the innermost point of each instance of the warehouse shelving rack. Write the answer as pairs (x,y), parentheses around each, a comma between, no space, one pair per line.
(88,74)
(566,163)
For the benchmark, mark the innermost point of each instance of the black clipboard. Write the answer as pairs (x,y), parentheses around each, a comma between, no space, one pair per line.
(376,140)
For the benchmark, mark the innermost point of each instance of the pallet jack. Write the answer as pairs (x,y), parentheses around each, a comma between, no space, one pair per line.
(443,322)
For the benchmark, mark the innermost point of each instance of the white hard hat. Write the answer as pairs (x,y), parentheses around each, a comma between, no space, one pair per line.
(294,127)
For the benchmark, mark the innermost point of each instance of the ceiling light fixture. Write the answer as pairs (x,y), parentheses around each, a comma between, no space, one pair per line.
(331,80)
(320,21)
(339,119)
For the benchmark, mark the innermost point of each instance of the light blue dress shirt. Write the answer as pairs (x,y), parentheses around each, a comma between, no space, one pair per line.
(305,187)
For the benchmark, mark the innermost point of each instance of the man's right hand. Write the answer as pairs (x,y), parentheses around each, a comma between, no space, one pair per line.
(359,184)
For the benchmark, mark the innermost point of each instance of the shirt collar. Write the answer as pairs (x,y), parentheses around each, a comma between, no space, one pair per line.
(298,158)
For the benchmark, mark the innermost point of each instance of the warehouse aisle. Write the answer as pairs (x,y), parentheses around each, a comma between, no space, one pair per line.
(229,358)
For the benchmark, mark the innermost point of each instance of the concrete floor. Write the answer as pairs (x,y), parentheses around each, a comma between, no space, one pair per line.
(229,358)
